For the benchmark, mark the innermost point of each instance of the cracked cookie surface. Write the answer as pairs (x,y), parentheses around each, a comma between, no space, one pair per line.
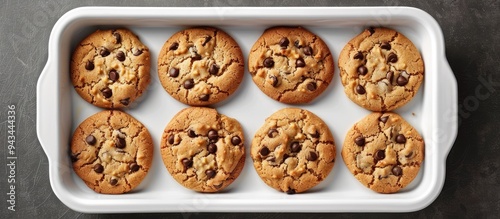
(291,64)
(293,151)
(381,69)
(200,66)
(202,149)
(110,68)
(384,152)
(111,152)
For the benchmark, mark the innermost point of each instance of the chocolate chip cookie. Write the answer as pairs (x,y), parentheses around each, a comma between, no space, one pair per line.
(383,152)
(200,66)
(293,151)
(202,149)
(112,152)
(291,64)
(381,69)
(110,68)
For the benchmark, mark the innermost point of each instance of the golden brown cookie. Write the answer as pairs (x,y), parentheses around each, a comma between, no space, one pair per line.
(110,68)
(202,149)
(291,64)
(383,152)
(200,66)
(293,151)
(381,69)
(112,152)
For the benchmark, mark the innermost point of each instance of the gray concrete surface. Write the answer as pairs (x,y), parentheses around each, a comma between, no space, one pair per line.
(472,34)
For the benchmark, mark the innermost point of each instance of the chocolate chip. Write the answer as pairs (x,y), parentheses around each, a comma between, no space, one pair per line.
(204,97)
(315,135)
(300,63)
(118,37)
(401,139)
(397,171)
(174,46)
(187,163)
(360,89)
(385,46)
(98,168)
(268,62)
(89,65)
(207,39)
(210,173)
(120,56)
(235,140)
(362,70)
(137,52)
(188,84)
(402,81)
(290,191)
(264,151)
(91,140)
(191,133)
(295,147)
(384,119)
(213,135)
(120,142)
(274,79)
(171,139)
(297,44)
(390,76)
(173,72)
(134,167)
(392,57)
(409,155)
(359,56)
(196,57)
(371,30)
(113,75)
(74,158)
(212,148)
(272,133)
(113,182)
(125,101)
(312,156)
(379,155)
(104,52)
(311,86)
(284,42)
(360,141)
(307,50)
(106,92)
(214,69)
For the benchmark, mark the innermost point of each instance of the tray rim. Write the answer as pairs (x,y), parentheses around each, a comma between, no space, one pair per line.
(81,205)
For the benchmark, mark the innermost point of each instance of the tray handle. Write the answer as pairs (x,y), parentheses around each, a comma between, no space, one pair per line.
(47,111)
(448,109)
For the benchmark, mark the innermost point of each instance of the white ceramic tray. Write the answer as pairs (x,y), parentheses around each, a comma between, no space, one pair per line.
(433,111)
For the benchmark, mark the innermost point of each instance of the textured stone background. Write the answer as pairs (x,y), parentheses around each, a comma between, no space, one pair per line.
(472,34)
